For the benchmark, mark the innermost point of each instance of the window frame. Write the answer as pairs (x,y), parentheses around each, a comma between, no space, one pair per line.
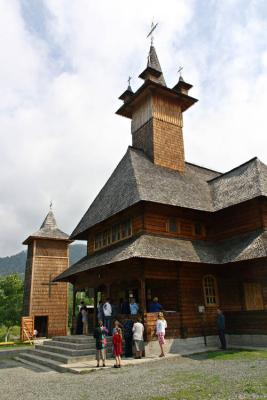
(214,288)
(108,234)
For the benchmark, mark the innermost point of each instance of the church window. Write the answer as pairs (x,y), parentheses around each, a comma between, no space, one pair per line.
(126,229)
(106,238)
(172,225)
(210,290)
(116,234)
(98,241)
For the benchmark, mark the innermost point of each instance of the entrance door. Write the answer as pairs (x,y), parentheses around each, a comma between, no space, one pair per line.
(41,325)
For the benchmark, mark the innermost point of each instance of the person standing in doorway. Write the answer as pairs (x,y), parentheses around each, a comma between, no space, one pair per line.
(161,325)
(84,320)
(221,328)
(134,308)
(138,332)
(155,306)
(100,333)
(107,311)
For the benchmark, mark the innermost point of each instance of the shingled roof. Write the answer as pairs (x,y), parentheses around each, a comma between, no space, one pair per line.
(48,230)
(136,178)
(242,183)
(244,247)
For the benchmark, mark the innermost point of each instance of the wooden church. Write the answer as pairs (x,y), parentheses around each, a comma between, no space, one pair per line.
(160,226)
(45,304)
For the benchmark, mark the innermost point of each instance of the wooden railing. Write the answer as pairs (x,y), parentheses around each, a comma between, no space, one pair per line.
(27,329)
(173,322)
(246,322)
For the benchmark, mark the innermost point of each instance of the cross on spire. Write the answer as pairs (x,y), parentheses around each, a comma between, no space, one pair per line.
(180,71)
(51,205)
(153,27)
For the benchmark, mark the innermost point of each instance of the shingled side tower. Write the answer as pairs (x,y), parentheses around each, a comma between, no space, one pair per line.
(47,256)
(156,114)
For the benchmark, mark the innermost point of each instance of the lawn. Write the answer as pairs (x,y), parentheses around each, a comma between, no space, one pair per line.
(229,375)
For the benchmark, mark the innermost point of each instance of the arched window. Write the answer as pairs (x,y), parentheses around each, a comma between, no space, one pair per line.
(210,290)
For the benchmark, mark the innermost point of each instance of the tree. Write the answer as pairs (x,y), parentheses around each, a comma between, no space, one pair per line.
(11,294)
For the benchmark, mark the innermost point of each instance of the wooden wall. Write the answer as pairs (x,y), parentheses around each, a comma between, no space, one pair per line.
(50,258)
(242,218)
(153,218)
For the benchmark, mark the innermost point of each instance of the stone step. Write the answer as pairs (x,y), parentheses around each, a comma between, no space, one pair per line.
(64,359)
(69,345)
(78,339)
(65,351)
(46,362)
(33,365)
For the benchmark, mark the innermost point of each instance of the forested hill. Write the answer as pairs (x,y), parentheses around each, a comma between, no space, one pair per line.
(16,263)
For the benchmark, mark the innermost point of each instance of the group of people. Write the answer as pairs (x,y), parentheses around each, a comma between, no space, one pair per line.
(107,311)
(133,334)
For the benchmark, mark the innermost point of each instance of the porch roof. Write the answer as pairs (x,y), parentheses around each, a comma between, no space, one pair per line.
(244,247)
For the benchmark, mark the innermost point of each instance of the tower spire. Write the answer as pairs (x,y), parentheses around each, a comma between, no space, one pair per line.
(153,69)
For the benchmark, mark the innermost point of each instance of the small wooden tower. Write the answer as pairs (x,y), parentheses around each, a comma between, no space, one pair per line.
(44,301)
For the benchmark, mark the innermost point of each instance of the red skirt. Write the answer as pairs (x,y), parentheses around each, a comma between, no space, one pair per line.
(117,346)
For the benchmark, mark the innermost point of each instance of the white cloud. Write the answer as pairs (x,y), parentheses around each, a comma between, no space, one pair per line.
(60,139)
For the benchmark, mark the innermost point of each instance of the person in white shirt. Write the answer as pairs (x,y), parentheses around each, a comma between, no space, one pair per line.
(107,311)
(161,325)
(138,338)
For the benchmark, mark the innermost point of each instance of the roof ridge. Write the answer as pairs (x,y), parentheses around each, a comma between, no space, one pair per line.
(200,166)
(233,169)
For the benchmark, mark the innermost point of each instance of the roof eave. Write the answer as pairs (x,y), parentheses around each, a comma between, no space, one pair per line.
(186,101)
(32,238)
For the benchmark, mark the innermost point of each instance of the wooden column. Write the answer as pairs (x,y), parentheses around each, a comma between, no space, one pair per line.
(95,308)
(74,321)
(143,294)
(108,289)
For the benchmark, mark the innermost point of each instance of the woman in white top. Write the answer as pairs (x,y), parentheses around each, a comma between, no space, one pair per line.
(161,325)
(138,331)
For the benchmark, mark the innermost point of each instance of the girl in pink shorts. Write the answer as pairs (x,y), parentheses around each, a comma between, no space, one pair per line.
(161,325)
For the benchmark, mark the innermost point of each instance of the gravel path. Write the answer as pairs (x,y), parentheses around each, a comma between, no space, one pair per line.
(195,377)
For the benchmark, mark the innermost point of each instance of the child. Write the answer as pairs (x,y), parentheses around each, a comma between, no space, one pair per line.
(161,325)
(117,346)
(101,342)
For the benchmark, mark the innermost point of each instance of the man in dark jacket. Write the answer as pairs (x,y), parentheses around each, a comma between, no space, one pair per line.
(221,328)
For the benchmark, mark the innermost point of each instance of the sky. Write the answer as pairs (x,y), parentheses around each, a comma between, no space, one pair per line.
(64,63)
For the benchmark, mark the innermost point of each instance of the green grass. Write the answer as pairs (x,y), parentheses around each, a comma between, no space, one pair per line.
(216,381)
(241,355)
(13,346)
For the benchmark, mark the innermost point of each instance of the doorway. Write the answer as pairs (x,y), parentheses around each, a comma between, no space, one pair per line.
(41,325)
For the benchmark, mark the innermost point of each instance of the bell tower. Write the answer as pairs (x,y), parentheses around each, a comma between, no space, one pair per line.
(45,301)
(156,112)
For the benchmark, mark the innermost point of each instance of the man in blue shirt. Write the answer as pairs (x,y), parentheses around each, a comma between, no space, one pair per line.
(221,328)
(155,306)
(134,307)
